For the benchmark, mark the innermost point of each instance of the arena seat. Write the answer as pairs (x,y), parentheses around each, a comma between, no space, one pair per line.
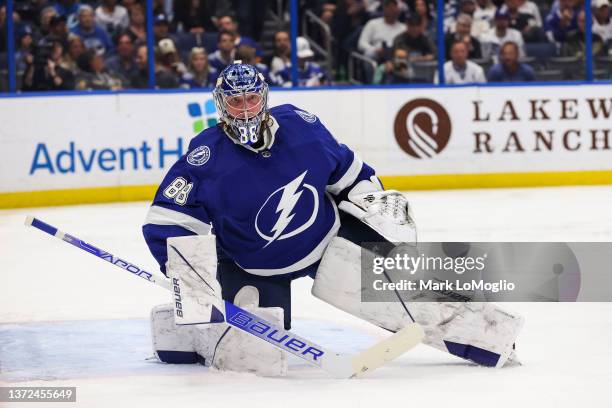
(541,52)
(572,67)
(603,66)
(549,75)
(360,68)
(424,71)
(3,72)
(186,41)
(527,60)
(601,75)
(485,63)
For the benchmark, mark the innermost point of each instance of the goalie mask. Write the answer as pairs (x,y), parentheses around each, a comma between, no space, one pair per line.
(241,98)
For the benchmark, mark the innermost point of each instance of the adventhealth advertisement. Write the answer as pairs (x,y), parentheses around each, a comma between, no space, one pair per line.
(98,141)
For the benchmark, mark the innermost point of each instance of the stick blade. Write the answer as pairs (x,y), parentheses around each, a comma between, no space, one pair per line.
(387,350)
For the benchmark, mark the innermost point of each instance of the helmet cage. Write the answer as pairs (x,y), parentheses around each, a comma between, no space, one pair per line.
(241,80)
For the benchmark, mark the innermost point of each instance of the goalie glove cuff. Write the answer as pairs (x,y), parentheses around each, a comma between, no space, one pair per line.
(387,212)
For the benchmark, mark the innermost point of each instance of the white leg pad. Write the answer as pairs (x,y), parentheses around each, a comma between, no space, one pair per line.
(459,328)
(230,349)
(166,335)
(223,349)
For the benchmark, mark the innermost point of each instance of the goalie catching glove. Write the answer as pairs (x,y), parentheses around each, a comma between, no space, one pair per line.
(386,211)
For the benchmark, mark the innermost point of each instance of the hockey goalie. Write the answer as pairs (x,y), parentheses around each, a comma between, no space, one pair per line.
(267,196)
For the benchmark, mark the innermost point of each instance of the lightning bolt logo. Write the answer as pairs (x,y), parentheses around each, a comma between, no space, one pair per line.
(285,206)
(289,199)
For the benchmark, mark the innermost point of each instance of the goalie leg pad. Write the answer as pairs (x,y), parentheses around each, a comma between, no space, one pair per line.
(218,345)
(171,343)
(480,332)
(230,349)
(201,283)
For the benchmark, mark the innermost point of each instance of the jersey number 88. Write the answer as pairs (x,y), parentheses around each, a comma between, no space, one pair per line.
(178,190)
(248,136)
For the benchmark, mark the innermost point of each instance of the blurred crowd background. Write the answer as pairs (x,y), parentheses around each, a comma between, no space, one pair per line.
(93,45)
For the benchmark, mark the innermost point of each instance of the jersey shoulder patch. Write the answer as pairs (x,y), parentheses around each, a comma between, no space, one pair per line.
(307,116)
(290,113)
(199,156)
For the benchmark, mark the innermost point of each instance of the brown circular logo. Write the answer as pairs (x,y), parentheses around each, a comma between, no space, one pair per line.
(422,128)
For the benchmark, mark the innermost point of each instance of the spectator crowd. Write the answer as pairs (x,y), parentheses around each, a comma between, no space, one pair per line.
(92,45)
(484,40)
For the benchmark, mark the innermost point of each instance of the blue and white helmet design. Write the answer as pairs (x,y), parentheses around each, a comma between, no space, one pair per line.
(241,98)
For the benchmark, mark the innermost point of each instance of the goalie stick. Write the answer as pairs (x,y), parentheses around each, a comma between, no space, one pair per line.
(337,365)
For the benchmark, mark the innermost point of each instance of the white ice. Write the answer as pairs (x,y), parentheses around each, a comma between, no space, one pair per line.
(69,319)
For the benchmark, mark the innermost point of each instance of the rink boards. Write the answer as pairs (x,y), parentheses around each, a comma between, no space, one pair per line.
(67,149)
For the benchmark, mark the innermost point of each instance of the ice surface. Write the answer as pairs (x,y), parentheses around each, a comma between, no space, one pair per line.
(68,319)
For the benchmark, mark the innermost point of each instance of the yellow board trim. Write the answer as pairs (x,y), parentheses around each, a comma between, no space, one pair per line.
(496,180)
(76,196)
(413,182)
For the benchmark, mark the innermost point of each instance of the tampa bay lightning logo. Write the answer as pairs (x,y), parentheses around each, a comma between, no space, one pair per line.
(277,220)
(199,156)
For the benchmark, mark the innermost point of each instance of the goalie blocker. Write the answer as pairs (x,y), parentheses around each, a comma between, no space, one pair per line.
(193,328)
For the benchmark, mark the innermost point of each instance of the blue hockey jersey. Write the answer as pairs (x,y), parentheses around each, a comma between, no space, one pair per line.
(273,212)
